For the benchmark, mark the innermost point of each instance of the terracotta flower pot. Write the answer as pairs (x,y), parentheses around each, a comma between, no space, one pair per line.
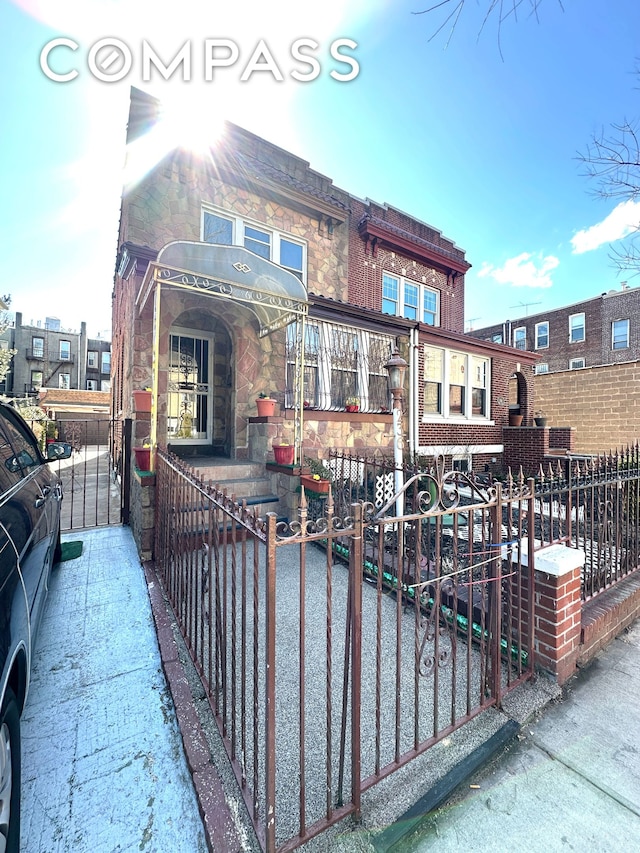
(515,420)
(320,486)
(142,401)
(143,458)
(266,407)
(284,453)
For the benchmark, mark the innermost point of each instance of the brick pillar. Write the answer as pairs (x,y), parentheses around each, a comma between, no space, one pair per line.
(558,609)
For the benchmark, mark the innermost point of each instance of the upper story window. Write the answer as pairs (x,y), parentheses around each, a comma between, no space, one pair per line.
(65,350)
(497,338)
(342,366)
(92,359)
(64,381)
(576,328)
(105,367)
(37,347)
(542,335)
(276,246)
(576,363)
(542,367)
(520,337)
(405,298)
(92,384)
(456,384)
(620,334)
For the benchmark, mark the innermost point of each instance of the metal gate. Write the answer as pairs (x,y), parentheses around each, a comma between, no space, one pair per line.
(95,479)
(323,684)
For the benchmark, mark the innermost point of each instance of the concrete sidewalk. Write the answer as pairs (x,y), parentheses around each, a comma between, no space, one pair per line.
(571,781)
(103,766)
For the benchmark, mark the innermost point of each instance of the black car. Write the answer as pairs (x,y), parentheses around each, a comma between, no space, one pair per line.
(30,496)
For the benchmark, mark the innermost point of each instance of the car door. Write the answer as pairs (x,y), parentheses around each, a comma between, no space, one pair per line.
(28,508)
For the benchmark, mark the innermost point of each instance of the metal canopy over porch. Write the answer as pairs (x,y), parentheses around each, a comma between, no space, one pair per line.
(273,294)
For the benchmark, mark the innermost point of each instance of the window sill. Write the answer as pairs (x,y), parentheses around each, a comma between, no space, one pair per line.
(478,421)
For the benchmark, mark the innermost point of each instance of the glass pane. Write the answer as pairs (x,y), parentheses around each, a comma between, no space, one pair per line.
(433,364)
(217,229)
(478,398)
(456,368)
(257,241)
(456,400)
(432,397)
(291,255)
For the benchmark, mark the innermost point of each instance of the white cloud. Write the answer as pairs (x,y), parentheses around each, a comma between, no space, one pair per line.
(525,270)
(622,221)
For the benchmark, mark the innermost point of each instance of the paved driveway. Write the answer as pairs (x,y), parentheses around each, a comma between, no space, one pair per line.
(103,762)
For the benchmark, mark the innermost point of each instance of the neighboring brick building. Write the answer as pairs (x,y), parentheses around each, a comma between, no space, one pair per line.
(50,356)
(601,330)
(222,263)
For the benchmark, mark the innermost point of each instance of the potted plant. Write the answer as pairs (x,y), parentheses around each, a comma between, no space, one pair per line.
(143,457)
(142,400)
(540,419)
(320,476)
(266,405)
(284,453)
(352,404)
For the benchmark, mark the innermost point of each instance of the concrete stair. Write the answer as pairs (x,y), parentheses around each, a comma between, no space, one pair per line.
(245,480)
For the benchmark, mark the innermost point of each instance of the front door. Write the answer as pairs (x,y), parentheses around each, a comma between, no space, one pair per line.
(190,416)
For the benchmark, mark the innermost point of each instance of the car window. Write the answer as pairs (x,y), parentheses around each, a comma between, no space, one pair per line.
(18,451)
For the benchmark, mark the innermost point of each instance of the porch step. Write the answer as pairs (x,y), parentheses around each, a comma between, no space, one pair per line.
(245,480)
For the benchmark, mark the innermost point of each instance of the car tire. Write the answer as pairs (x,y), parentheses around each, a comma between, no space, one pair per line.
(9,774)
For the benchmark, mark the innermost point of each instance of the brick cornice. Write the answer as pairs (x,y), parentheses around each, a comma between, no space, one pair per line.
(375,230)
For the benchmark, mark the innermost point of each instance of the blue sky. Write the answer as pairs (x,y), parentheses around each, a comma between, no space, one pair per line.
(476,138)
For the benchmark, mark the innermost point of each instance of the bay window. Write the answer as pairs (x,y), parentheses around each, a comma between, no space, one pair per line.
(341,364)
(456,384)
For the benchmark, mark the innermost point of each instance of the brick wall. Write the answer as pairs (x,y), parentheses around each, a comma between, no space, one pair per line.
(602,403)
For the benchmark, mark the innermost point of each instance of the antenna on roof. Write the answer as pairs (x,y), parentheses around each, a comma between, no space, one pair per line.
(470,323)
(525,305)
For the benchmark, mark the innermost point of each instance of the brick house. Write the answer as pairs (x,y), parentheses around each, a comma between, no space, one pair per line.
(591,333)
(588,371)
(251,273)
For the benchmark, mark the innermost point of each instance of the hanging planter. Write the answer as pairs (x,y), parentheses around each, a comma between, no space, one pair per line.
(284,454)
(142,401)
(266,406)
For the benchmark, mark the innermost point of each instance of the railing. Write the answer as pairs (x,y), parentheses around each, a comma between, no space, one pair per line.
(344,681)
(591,503)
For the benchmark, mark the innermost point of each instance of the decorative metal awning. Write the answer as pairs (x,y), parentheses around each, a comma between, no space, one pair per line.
(275,295)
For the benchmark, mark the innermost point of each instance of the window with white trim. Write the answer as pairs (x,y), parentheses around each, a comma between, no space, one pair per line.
(65,350)
(342,364)
(92,384)
(405,298)
(64,381)
(37,347)
(542,367)
(105,366)
(542,335)
(456,384)
(620,334)
(277,246)
(576,363)
(92,359)
(576,328)
(520,337)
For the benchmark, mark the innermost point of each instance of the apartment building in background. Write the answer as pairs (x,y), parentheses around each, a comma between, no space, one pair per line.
(602,330)
(48,355)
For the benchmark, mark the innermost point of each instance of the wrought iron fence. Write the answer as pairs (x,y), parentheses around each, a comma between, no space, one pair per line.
(343,681)
(592,503)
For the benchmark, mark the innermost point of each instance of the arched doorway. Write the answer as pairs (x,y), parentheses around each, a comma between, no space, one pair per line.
(200,386)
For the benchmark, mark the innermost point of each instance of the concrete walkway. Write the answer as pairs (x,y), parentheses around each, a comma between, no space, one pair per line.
(103,766)
(571,781)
